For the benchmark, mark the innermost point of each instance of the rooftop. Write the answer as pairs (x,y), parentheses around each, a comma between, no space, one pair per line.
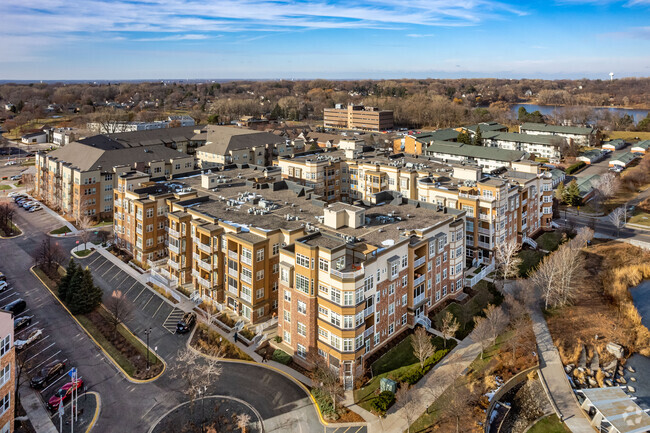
(467,150)
(543,127)
(222,139)
(625,158)
(527,138)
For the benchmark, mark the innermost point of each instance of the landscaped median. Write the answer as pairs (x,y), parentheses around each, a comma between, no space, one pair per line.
(126,350)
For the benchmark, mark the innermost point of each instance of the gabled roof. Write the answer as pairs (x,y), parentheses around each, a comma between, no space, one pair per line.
(222,139)
(527,138)
(87,158)
(542,127)
(156,136)
(586,184)
(487,126)
(448,134)
(33,134)
(467,150)
(592,153)
(645,144)
(625,158)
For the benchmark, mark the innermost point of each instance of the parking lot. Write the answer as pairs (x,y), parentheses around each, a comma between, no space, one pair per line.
(40,352)
(150,309)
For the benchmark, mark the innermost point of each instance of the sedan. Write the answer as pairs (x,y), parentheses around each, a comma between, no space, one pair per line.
(63,394)
(13,194)
(16,177)
(33,336)
(22,322)
(35,208)
(52,370)
(11,163)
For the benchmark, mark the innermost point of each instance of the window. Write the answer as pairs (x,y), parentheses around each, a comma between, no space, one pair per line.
(287,336)
(5,375)
(302,283)
(368,283)
(323,333)
(302,261)
(322,353)
(260,254)
(335,295)
(432,249)
(348,298)
(391,289)
(394,270)
(287,316)
(324,312)
(348,322)
(287,295)
(405,261)
(150,212)
(276,268)
(404,319)
(260,274)
(335,341)
(323,289)
(302,329)
(301,351)
(259,293)
(284,275)
(347,344)
(6,403)
(276,249)
(323,265)
(444,274)
(391,328)
(302,307)
(391,308)
(405,280)
(404,299)
(335,318)
(246,275)
(5,345)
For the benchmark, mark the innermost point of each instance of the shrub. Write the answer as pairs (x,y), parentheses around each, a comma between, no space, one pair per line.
(575,167)
(281,356)
(382,402)
(324,402)
(247,334)
(411,376)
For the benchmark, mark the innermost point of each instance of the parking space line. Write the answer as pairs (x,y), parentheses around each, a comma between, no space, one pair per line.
(158,309)
(8,296)
(359,429)
(145,305)
(130,288)
(63,376)
(125,278)
(107,270)
(96,258)
(22,314)
(44,361)
(23,330)
(41,351)
(100,266)
(136,298)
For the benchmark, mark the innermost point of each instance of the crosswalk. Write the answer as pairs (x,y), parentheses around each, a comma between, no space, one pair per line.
(170,322)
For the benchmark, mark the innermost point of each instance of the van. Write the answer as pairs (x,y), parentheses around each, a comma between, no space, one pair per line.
(15,307)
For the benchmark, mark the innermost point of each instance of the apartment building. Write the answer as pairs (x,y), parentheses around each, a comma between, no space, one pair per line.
(7,372)
(355,116)
(489,158)
(363,275)
(318,171)
(582,136)
(230,145)
(516,205)
(543,146)
(79,178)
(140,214)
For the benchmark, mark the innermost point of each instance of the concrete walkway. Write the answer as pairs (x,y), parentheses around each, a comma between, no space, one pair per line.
(554,378)
(36,412)
(65,222)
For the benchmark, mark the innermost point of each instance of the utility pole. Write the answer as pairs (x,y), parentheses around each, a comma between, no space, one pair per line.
(147,332)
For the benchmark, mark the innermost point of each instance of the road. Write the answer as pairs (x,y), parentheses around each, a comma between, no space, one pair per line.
(128,407)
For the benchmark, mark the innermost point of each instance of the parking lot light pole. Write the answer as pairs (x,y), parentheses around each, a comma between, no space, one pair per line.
(147,332)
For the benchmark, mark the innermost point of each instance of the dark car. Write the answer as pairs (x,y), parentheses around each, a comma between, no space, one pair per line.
(47,373)
(15,307)
(22,322)
(185,324)
(3,277)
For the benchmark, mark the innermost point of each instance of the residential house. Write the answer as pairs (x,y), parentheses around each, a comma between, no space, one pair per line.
(34,137)
(641,147)
(591,156)
(614,144)
(623,160)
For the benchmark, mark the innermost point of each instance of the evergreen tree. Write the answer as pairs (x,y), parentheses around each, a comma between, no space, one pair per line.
(572,194)
(478,137)
(559,192)
(88,297)
(74,287)
(64,283)
(522,114)
(276,113)
(463,137)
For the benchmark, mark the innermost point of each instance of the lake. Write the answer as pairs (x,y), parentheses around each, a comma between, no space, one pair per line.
(547,110)
(641,297)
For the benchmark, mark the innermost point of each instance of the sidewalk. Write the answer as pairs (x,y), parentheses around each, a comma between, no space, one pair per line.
(553,375)
(36,412)
(73,229)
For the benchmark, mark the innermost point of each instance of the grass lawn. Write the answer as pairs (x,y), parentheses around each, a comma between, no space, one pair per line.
(83,253)
(60,231)
(550,424)
(529,259)
(641,218)
(4,187)
(104,223)
(15,231)
(628,135)
(549,241)
(485,294)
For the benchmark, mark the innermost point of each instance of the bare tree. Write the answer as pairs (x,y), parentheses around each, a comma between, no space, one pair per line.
(608,185)
(519,328)
(48,255)
(457,402)
(242,422)
(110,121)
(84,223)
(481,333)
(422,346)
(617,218)
(507,260)
(196,372)
(496,319)
(449,327)
(407,402)
(327,380)
(120,307)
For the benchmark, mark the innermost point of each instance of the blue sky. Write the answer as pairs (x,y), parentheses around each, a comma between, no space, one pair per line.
(188,39)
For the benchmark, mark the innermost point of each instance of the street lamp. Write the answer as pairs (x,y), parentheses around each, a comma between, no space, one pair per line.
(202,391)
(147,332)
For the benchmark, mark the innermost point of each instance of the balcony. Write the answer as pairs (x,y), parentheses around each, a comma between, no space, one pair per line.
(246,260)
(205,248)
(418,299)
(204,265)
(174,265)
(419,280)
(232,254)
(246,279)
(368,332)
(419,261)
(174,249)
(484,245)
(138,230)
(234,290)
(485,217)
(368,311)
(484,231)
(347,274)
(233,272)
(173,233)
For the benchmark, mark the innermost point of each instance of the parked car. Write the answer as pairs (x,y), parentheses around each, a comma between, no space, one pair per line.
(13,194)
(63,394)
(3,277)
(185,324)
(29,204)
(16,307)
(11,163)
(616,169)
(35,208)
(3,286)
(16,177)
(52,370)
(22,322)
(35,335)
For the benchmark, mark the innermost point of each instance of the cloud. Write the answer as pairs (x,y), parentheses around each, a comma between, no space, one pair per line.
(186,37)
(631,33)
(420,35)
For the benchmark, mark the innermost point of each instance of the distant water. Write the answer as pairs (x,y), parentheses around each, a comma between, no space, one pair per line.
(547,110)
(641,297)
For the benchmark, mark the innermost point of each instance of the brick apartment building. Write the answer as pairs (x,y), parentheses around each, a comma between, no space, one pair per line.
(7,372)
(359,117)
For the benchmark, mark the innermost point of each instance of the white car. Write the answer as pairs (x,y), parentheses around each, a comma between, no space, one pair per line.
(33,336)
(3,286)
(35,208)
(11,163)
(13,194)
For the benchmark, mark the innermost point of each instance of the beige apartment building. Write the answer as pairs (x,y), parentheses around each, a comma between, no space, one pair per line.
(318,171)
(79,179)
(7,372)
(359,117)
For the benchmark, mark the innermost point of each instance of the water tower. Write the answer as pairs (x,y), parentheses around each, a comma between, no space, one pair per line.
(611,76)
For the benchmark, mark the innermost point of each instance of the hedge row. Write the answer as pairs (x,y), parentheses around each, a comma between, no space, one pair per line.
(575,167)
